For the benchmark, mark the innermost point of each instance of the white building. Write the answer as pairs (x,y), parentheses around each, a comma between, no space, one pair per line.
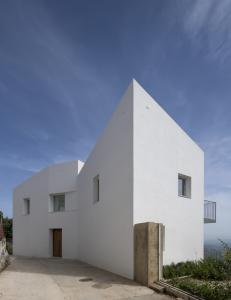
(143,168)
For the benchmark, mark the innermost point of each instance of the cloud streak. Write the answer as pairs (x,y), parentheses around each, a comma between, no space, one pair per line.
(208,25)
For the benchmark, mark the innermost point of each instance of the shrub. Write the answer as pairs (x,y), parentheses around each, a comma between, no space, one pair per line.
(211,269)
(226,251)
(210,278)
(179,269)
(9,248)
(207,269)
(208,290)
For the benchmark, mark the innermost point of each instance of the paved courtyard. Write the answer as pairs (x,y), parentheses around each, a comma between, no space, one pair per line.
(43,279)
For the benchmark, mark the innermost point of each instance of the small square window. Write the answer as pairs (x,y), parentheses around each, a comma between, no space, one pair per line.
(58,202)
(26,206)
(96,188)
(184,186)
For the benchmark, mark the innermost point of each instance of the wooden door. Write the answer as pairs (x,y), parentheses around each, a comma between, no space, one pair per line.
(57,242)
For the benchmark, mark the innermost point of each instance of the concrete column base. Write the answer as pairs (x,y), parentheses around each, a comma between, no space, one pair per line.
(148,252)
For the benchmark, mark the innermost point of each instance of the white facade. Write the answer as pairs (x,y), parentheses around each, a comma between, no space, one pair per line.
(136,161)
(32,232)
(162,150)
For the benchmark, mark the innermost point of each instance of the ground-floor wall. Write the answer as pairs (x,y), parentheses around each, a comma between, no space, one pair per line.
(107,245)
(35,239)
(183,232)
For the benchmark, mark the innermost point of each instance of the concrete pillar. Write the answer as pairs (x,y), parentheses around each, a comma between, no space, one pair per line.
(148,252)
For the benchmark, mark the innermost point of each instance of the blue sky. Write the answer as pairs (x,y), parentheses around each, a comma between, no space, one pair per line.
(65,64)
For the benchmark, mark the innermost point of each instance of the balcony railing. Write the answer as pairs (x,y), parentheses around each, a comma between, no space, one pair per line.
(209,211)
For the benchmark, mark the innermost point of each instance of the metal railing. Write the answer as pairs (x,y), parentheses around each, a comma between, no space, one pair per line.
(209,212)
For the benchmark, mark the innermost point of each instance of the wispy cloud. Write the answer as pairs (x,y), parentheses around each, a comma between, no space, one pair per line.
(181,99)
(208,25)
(14,161)
(64,82)
(218,161)
(56,62)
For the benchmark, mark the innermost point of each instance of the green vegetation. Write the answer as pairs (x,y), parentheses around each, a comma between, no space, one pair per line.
(209,278)
(178,270)
(207,269)
(209,290)
(7,225)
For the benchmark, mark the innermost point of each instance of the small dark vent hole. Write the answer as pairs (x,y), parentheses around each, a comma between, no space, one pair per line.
(85,279)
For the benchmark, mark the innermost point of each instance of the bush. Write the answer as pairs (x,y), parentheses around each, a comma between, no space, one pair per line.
(9,248)
(207,269)
(208,290)
(210,278)
(211,269)
(226,251)
(178,270)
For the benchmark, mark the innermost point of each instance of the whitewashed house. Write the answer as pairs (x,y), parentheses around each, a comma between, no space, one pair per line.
(143,168)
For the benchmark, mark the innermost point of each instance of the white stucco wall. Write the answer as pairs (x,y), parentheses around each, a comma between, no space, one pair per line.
(138,158)
(106,227)
(32,233)
(161,151)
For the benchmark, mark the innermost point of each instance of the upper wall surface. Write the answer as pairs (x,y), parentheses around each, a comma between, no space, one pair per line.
(161,151)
